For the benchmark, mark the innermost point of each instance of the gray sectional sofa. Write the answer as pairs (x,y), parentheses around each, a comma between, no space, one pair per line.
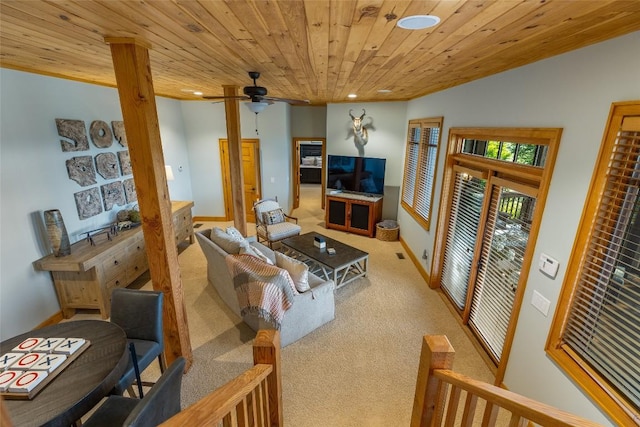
(309,311)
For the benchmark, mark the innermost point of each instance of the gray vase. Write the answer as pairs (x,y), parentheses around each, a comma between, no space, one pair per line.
(57,232)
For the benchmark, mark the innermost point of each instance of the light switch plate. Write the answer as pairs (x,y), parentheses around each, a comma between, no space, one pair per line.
(540,302)
(548,265)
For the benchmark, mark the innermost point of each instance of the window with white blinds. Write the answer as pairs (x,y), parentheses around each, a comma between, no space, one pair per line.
(596,333)
(463,225)
(421,159)
(503,248)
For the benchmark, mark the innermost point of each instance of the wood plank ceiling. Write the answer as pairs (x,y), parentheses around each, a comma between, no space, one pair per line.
(320,50)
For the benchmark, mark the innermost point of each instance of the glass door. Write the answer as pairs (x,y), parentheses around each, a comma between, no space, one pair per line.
(462,234)
(504,241)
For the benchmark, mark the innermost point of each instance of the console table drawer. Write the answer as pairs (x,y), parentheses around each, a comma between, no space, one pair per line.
(119,281)
(183,226)
(136,267)
(136,249)
(113,265)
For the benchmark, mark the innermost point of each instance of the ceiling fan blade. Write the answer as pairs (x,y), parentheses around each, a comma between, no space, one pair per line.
(226,97)
(287,100)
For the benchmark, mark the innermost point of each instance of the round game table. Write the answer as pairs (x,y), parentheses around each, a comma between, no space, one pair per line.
(82,384)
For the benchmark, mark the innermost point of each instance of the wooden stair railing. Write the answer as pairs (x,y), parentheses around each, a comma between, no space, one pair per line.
(253,398)
(445,398)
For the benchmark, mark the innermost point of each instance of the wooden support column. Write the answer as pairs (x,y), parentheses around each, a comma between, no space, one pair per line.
(137,101)
(232,110)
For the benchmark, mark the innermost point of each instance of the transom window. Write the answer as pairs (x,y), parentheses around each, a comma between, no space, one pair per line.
(515,152)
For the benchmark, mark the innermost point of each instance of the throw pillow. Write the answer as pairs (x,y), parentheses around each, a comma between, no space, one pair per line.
(262,255)
(275,216)
(227,242)
(298,271)
(246,248)
(234,232)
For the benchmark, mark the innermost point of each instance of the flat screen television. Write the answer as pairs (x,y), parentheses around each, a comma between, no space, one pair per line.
(356,174)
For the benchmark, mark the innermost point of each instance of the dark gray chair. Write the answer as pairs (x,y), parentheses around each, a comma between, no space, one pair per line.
(158,405)
(139,313)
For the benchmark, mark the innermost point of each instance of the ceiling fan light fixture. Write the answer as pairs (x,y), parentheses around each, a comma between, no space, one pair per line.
(418,22)
(256,107)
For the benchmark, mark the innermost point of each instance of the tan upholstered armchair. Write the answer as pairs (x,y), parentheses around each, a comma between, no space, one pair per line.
(272,224)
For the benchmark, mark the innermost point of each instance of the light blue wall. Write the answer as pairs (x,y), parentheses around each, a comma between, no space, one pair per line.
(33,178)
(387,134)
(205,125)
(308,121)
(574,92)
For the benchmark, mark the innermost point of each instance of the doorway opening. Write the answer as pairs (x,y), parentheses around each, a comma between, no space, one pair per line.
(309,163)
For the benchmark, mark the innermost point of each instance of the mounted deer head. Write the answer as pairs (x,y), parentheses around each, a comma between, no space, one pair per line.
(361,135)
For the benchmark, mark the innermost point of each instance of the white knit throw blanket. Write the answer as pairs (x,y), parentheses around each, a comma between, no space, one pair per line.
(262,289)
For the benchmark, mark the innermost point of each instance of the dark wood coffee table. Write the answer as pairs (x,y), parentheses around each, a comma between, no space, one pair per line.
(346,265)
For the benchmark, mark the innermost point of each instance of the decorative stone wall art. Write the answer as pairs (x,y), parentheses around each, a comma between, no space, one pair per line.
(108,162)
(100,134)
(80,169)
(118,131)
(112,195)
(130,190)
(107,165)
(88,203)
(125,162)
(75,131)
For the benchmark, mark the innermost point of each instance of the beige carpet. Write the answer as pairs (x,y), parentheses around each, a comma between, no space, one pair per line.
(358,370)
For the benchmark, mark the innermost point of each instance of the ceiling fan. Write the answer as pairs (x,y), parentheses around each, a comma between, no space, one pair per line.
(258,96)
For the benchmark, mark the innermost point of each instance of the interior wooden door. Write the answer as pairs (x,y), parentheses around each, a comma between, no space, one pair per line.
(251,174)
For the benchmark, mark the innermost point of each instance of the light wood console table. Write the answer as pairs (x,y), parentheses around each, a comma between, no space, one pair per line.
(85,278)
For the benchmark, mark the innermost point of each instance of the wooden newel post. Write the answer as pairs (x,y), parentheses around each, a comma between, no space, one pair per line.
(266,350)
(437,353)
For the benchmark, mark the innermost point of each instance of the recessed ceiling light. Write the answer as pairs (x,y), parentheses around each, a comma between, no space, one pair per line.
(186,90)
(418,22)
(384,91)
(352,95)
(198,93)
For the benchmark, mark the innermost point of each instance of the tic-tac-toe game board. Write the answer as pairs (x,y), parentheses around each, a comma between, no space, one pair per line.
(35,362)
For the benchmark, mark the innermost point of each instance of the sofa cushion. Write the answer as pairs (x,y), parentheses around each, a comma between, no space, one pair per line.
(229,243)
(275,216)
(298,271)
